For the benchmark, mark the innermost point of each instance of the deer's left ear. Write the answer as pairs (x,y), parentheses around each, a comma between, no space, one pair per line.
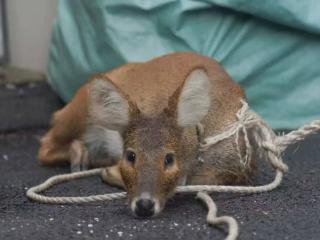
(193,101)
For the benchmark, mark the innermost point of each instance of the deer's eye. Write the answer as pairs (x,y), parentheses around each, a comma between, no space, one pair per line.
(130,156)
(169,159)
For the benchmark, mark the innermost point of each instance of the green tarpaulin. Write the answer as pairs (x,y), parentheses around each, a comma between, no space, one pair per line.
(272,48)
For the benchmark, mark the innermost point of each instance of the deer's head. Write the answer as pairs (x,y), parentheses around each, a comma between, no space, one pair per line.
(151,163)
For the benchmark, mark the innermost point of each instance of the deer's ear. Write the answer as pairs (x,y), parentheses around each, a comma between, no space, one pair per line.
(108,107)
(194,100)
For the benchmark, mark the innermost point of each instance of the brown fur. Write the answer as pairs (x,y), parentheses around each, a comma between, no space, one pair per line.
(148,88)
(151,139)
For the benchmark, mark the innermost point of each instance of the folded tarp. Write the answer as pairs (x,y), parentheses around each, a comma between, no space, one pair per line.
(272,48)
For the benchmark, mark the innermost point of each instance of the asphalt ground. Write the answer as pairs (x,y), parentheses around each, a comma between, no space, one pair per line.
(290,212)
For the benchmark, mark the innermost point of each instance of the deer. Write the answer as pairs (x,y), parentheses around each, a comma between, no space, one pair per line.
(139,123)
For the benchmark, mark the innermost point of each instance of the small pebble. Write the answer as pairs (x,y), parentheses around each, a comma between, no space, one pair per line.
(120,234)
(175,224)
(5,157)
(96,219)
(13,228)
(107,235)
(90,225)
(130,235)
(10,86)
(51,219)
(79,225)
(31,85)
(79,232)
(20,91)
(189,224)
(91,231)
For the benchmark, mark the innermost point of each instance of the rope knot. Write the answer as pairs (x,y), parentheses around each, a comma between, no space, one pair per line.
(274,156)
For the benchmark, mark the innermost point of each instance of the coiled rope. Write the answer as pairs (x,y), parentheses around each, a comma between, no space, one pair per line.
(269,145)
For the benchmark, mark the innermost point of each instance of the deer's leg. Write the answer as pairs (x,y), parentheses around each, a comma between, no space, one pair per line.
(67,125)
(53,152)
(112,176)
(79,160)
(54,149)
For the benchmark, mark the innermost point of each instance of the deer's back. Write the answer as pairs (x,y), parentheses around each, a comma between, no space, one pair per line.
(150,84)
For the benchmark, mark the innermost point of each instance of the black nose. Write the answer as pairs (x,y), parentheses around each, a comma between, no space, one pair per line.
(144,207)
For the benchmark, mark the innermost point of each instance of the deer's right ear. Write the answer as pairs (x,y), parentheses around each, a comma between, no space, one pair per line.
(108,107)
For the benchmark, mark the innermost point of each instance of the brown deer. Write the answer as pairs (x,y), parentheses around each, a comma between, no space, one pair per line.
(139,121)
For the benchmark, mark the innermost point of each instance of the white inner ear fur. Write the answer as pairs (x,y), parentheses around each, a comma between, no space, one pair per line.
(194,99)
(107,107)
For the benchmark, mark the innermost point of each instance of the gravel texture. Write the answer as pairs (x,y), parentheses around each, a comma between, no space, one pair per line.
(289,212)
(26,106)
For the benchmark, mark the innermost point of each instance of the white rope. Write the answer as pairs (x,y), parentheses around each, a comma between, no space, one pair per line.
(268,142)
(32,193)
(233,229)
(295,136)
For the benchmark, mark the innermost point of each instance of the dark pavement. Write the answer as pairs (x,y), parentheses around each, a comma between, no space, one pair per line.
(289,212)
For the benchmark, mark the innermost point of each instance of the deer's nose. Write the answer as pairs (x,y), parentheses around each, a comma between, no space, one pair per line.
(144,207)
